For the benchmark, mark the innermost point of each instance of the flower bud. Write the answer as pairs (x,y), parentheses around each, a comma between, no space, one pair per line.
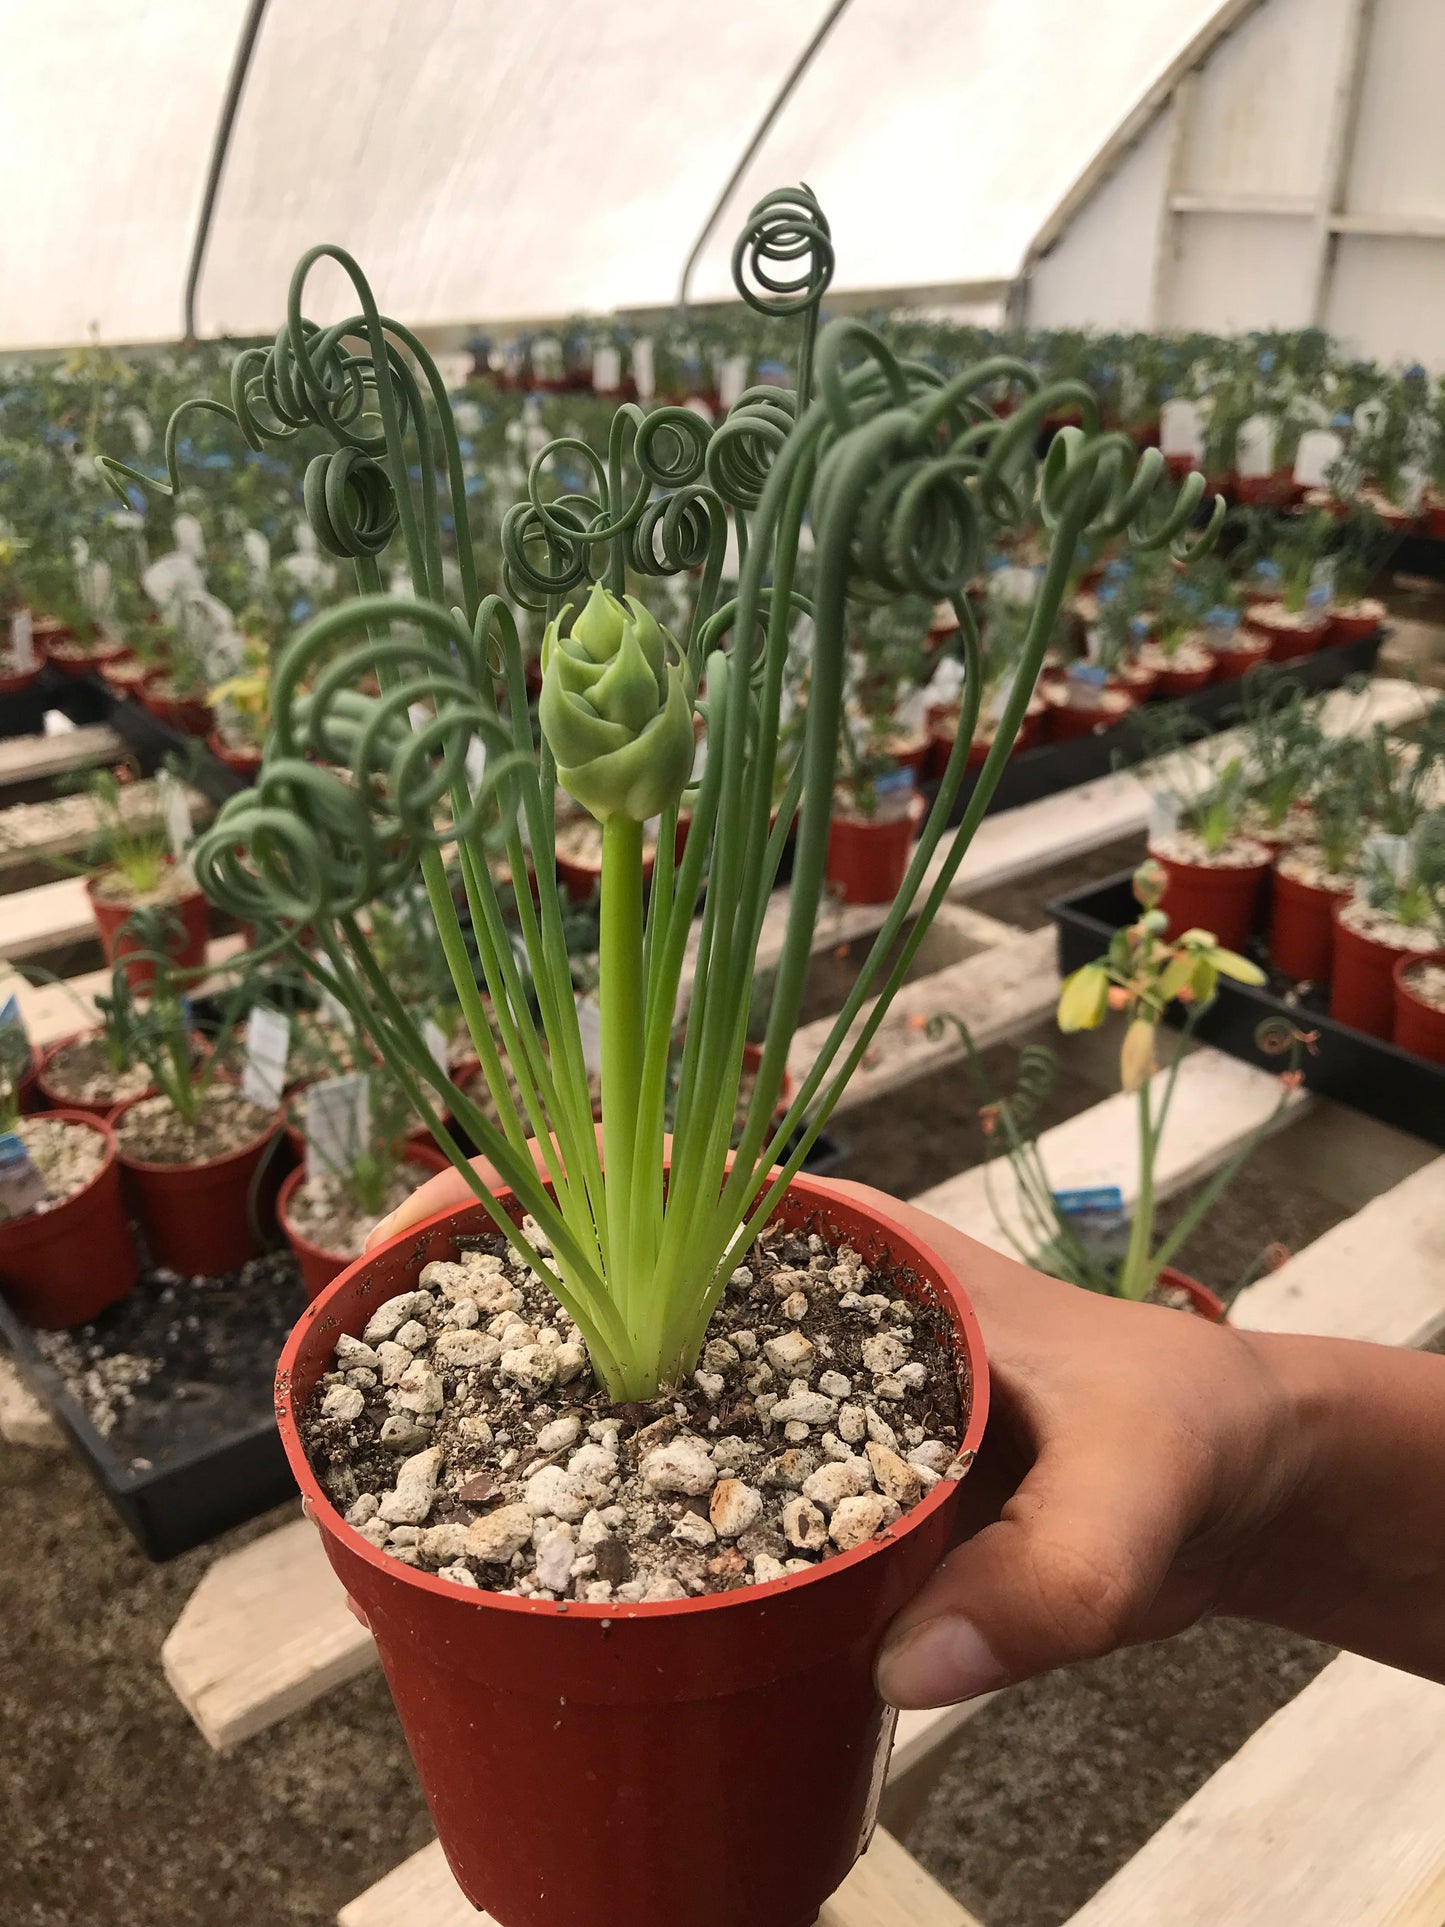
(616,709)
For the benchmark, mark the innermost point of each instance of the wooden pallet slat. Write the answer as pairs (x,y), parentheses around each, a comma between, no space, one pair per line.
(66,825)
(1333,1814)
(887,1888)
(29,759)
(53,1011)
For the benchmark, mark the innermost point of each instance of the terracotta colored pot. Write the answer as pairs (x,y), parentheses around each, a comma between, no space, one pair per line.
(1278,490)
(581,880)
(1216,897)
(62,1267)
(47,629)
(187,713)
(1231,664)
(1287,642)
(191,911)
(93,661)
(1202,1300)
(57,1100)
(867,861)
(12,685)
(943,733)
(1069,719)
(1184,682)
(124,676)
(1354,625)
(1302,928)
(196,1217)
(559,1746)
(1136,679)
(29,1095)
(1419,1027)
(319,1266)
(245,762)
(1362,983)
(1435,525)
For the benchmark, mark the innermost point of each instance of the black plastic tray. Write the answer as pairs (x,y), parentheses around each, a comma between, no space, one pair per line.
(1375,1077)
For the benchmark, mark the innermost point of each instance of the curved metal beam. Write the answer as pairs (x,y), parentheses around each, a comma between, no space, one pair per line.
(240,67)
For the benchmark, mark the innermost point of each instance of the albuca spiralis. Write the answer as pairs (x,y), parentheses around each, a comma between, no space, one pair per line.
(902,474)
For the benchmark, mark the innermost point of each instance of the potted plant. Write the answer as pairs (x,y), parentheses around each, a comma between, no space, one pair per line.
(1420,1005)
(1397,911)
(1213,871)
(1284,749)
(1315,874)
(876,813)
(1087,1237)
(1178,654)
(240,705)
(602,1264)
(1361,553)
(191,1154)
(1298,621)
(177,691)
(65,1246)
(94,1070)
(1004,625)
(20,662)
(129,868)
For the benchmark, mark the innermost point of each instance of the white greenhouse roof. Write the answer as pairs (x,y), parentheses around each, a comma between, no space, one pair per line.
(493,161)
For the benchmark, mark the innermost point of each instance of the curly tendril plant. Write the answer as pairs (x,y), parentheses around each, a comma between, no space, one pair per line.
(380,708)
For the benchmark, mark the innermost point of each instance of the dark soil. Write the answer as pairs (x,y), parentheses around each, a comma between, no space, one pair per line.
(1024,901)
(180,1362)
(80,1071)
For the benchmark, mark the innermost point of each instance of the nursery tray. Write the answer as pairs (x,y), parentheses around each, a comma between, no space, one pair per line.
(1375,1077)
(1035,773)
(197,1451)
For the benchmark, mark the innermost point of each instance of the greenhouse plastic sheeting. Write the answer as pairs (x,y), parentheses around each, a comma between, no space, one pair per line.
(500,160)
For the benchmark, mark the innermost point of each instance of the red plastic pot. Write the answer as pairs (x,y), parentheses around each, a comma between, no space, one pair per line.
(12,685)
(1419,1027)
(1231,664)
(1171,681)
(124,676)
(1069,718)
(92,660)
(1435,524)
(1202,1300)
(186,713)
(57,1100)
(1362,983)
(560,1746)
(319,1266)
(245,762)
(1302,928)
(581,880)
(1287,641)
(191,911)
(943,733)
(1352,625)
(197,1217)
(29,1095)
(1212,896)
(62,1267)
(867,861)
(1277,490)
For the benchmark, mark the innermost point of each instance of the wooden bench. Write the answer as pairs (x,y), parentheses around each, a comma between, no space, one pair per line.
(26,760)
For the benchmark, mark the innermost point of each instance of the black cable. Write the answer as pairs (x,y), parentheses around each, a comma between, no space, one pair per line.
(240,66)
(760,133)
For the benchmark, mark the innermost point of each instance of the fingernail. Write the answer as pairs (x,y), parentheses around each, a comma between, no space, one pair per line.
(379,1232)
(939,1663)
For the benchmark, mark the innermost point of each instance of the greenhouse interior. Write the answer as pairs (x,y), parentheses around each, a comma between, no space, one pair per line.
(890,1373)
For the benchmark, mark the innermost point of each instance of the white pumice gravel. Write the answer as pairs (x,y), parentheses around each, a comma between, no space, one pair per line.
(463,1434)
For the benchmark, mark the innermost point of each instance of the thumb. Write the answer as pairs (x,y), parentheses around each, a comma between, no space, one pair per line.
(1073,1568)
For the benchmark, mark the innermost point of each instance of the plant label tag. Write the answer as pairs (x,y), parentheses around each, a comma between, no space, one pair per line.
(22,1188)
(643,371)
(1016,585)
(1163,816)
(268,1046)
(607,369)
(732,379)
(22,642)
(1319,450)
(1004,688)
(1093,643)
(180,831)
(1181,429)
(418,715)
(11,1019)
(476,762)
(1391,853)
(1254,450)
(436,1043)
(895,782)
(190,538)
(1091,1201)
(589,1022)
(338,1122)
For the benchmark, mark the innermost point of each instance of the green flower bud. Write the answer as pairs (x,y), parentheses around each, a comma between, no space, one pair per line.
(616,709)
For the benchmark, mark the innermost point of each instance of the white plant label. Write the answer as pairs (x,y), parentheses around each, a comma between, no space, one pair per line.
(643,372)
(998,702)
(22,1187)
(732,379)
(180,831)
(268,1047)
(1093,643)
(257,551)
(436,1043)
(1319,450)
(589,1022)
(1014,585)
(1254,449)
(1163,816)
(190,538)
(22,642)
(338,1122)
(56,723)
(607,370)
(332,1008)
(1181,429)
(1369,416)
(476,762)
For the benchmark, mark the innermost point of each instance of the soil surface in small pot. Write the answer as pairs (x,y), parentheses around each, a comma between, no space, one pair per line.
(1305,863)
(180,1362)
(463,1432)
(323,1211)
(1380,927)
(1427,982)
(1185,659)
(151,1132)
(1184,846)
(175,884)
(80,1072)
(579,840)
(66,1155)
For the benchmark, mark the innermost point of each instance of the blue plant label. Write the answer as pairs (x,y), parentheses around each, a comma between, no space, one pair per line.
(22,1188)
(1093,675)
(10,1017)
(895,782)
(1091,1201)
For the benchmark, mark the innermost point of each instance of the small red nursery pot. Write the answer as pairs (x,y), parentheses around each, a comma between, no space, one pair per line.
(1362,983)
(1290,636)
(190,714)
(619,1765)
(318,1265)
(241,759)
(64,1266)
(1203,1303)
(190,911)
(1419,1021)
(1218,897)
(1351,621)
(867,860)
(197,1217)
(1302,926)
(1239,655)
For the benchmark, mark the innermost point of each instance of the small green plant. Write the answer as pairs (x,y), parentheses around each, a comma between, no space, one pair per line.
(130,836)
(162,1032)
(1407,883)
(1284,746)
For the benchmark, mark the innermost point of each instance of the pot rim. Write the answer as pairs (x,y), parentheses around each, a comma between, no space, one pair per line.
(293,1181)
(187,896)
(318,1506)
(198,1164)
(1401,968)
(65,1115)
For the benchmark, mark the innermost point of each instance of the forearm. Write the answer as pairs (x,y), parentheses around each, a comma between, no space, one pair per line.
(1356,1557)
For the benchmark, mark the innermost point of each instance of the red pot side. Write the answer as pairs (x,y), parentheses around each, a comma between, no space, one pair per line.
(618,1765)
(1362,983)
(187,713)
(196,1217)
(1419,1027)
(318,1265)
(191,911)
(1069,720)
(1203,896)
(1202,1301)
(23,679)
(1183,682)
(245,762)
(1287,643)
(57,1100)
(1302,928)
(1231,664)
(867,861)
(63,1267)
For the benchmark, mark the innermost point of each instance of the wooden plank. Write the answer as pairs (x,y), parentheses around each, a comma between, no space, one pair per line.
(55,1010)
(887,1888)
(24,1420)
(1379,1275)
(47,917)
(1332,1815)
(66,825)
(1000,990)
(1218,1103)
(28,759)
